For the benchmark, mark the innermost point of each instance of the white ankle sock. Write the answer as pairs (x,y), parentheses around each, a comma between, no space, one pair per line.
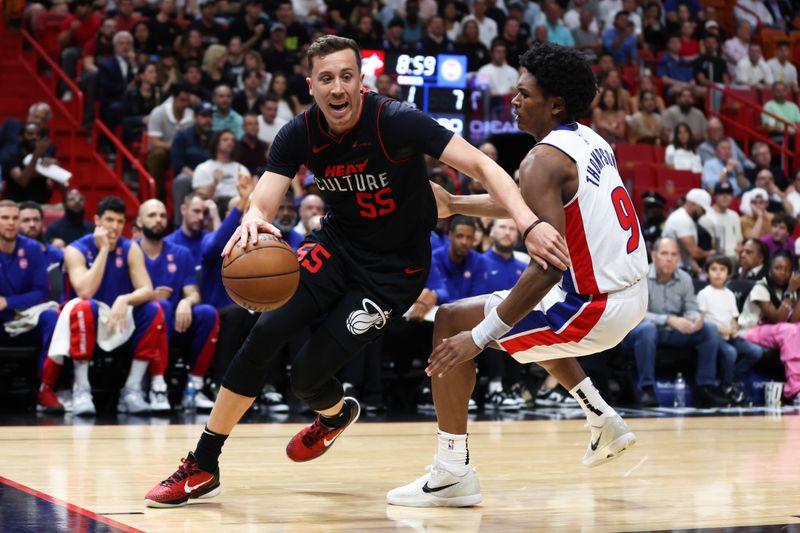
(593,405)
(452,453)
(157,382)
(496,385)
(81,371)
(138,368)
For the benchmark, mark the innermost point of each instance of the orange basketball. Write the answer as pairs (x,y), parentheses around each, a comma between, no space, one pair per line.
(262,277)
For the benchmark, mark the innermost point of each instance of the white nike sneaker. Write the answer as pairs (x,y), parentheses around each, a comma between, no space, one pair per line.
(132,401)
(159,403)
(203,402)
(608,441)
(82,402)
(438,488)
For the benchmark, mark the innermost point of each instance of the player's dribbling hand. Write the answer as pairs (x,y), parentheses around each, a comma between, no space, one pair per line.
(450,353)
(547,246)
(253,223)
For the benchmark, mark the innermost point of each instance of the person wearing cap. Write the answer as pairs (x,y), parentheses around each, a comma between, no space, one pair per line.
(722,223)
(724,168)
(681,225)
(653,220)
(756,220)
(189,149)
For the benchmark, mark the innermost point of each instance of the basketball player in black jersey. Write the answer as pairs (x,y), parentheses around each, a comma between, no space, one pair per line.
(365,266)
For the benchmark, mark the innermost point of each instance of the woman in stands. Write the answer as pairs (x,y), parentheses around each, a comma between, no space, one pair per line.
(279,87)
(608,118)
(139,101)
(645,125)
(682,153)
(647,83)
(214,73)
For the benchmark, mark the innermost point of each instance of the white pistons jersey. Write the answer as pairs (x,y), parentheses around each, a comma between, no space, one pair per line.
(603,234)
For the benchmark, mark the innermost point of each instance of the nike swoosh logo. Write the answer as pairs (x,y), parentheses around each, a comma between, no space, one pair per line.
(427,490)
(327,442)
(318,149)
(189,489)
(594,444)
(408,271)
(361,144)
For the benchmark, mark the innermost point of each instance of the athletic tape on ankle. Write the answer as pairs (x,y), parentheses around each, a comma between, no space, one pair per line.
(490,329)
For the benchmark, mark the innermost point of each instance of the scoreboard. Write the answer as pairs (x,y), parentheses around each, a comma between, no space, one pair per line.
(435,84)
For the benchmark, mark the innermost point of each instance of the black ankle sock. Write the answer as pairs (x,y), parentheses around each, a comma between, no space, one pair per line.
(339,419)
(208,450)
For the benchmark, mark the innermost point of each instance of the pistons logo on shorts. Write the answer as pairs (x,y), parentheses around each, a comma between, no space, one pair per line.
(171,268)
(369,316)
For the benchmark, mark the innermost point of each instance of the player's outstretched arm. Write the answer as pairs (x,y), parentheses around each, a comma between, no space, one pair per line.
(267,196)
(473,205)
(545,245)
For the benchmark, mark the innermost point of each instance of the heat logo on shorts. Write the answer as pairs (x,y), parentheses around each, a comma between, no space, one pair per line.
(370,316)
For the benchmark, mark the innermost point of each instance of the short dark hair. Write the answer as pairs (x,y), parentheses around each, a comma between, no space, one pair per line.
(762,247)
(719,260)
(564,72)
(111,203)
(461,220)
(779,218)
(329,44)
(180,87)
(28,204)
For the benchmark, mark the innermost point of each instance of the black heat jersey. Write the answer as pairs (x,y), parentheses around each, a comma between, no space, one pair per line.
(373,177)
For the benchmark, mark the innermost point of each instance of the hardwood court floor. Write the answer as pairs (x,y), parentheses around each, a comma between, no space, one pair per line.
(683,473)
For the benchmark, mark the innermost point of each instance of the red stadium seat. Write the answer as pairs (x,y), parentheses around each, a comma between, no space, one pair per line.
(674,184)
(634,152)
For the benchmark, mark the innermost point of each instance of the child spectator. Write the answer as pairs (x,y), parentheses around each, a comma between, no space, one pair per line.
(718,306)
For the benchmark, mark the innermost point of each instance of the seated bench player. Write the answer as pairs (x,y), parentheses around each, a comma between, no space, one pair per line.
(171,269)
(196,210)
(23,285)
(105,277)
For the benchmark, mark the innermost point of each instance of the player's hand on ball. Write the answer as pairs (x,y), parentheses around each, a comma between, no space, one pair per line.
(253,223)
(547,246)
(452,352)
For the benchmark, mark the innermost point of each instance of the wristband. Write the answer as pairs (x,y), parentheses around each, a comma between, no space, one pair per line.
(490,329)
(530,229)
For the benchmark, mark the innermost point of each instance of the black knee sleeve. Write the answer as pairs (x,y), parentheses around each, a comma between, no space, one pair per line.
(314,370)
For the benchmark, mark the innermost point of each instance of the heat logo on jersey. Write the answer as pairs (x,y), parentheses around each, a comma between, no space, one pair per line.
(352,177)
(361,320)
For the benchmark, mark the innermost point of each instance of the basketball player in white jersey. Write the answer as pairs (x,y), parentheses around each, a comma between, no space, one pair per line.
(570,180)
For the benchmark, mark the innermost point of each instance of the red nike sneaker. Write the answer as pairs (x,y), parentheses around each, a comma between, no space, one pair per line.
(188,482)
(47,401)
(316,439)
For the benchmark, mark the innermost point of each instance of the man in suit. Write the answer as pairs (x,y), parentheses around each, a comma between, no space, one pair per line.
(113,78)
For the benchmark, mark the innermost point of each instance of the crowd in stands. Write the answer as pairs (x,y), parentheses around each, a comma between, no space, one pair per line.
(205,87)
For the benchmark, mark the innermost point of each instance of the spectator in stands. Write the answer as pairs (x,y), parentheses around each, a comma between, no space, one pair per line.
(126,17)
(164,31)
(647,83)
(114,76)
(783,108)
(452,15)
(217,177)
(793,195)
(77,30)
(736,48)
(681,226)
(193,79)
(251,26)
(779,238)
(248,99)
(296,34)
(189,149)
(164,122)
(653,219)
(716,133)
(95,51)
(268,122)
(106,271)
(385,86)
(213,69)
(586,35)
(756,220)
(277,57)
(225,118)
(782,69)
(393,37)
(552,29)
(762,160)
(752,258)
(234,60)
(211,31)
(72,225)
(723,223)
(22,180)
(23,286)
(11,132)
(516,43)
(620,40)
(499,75)
(138,102)
(752,11)
(770,318)
(31,218)
(487,27)
(367,32)
(654,29)
(724,168)
(310,12)
(279,88)
(645,125)
(752,70)
(572,18)
(143,43)
(310,206)
(252,152)
(435,40)
(717,306)
(463,268)
(469,44)
(710,67)
(673,320)
(690,46)
(612,80)
(608,118)
(171,268)
(672,8)
(196,210)
(675,72)
(783,13)
(683,111)
(681,154)
(607,10)
(253,61)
